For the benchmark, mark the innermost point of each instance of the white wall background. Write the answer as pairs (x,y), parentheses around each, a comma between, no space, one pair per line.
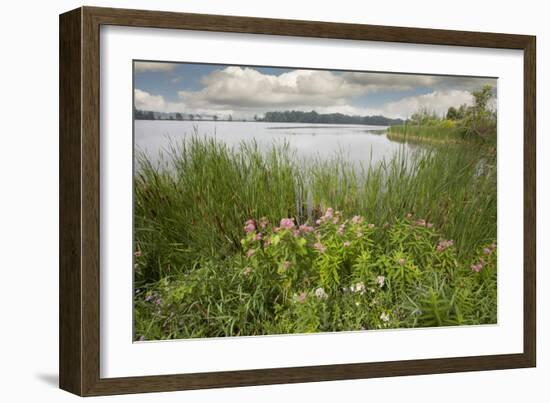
(29,199)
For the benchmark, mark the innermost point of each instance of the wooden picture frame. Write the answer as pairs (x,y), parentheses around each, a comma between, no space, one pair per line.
(79,348)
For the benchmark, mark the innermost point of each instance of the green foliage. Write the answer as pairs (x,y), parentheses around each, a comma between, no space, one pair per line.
(338,274)
(476,123)
(445,131)
(387,264)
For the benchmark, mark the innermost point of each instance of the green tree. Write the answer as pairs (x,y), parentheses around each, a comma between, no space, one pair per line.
(480,119)
(452,113)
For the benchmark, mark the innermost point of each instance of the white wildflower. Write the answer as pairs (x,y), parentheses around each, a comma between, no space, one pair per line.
(320,293)
(385,317)
(358,288)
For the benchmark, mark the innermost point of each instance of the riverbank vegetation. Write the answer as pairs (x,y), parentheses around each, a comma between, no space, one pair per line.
(238,241)
(472,124)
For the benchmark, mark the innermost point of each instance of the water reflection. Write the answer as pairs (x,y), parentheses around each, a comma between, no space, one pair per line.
(359,144)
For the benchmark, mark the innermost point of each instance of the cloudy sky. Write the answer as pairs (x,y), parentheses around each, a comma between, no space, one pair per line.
(247,91)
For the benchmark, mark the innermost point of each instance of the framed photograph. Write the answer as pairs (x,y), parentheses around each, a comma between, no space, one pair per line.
(249,201)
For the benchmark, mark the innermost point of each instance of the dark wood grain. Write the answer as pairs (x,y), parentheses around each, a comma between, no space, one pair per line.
(80,200)
(70,270)
(530,202)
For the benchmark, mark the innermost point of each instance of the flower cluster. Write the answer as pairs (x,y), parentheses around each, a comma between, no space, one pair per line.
(320,247)
(444,244)
(488,251)
(421,222)
(249,226)
(153,298)
(342,273)
(358,288)
(320,293)
(286,223)
(329,216)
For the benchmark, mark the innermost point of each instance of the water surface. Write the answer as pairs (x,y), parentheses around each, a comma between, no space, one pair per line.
(359,144)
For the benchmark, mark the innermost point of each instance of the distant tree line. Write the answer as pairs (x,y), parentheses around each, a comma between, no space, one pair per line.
(284,116)
(152,115)
(329,118)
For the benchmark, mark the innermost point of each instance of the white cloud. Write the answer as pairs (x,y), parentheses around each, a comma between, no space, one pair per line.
(236,87)
(248,91)
(245,92)
(386,81)
(148,102)
(437,101)
(140,67)
(392,82)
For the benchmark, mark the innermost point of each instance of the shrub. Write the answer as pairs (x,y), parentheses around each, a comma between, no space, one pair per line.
(335,274)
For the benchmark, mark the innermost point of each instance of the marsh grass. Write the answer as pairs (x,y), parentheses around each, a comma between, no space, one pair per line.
(197,207)
(431,134)
(199,273)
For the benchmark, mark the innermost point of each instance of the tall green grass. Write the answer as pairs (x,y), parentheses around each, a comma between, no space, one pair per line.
(433,134)
(197,207)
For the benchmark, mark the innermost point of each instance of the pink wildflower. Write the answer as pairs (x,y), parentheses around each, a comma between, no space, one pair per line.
(287,223)
(487,251)
(301,298)
(341,229)
(493,245)
(264,222)
(249,226)
(257,237)
(357,219)
(320,247)
(286,264)
(137,253)
(476,267)
(250,253)
(401,261)
(444,244)
(329,214)
(346,244)
(247,271)
(420,222)
(429,225)
(306,228)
